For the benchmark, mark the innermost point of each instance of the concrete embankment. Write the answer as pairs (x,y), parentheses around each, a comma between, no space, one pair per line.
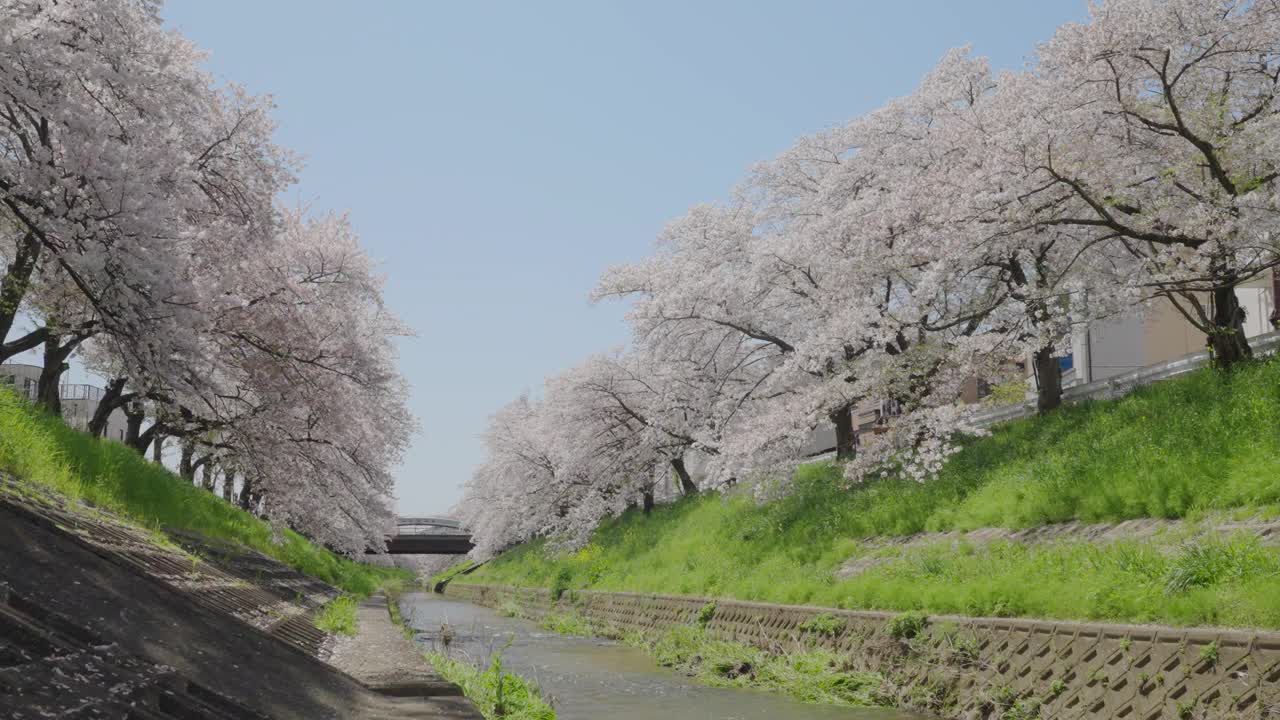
(962,667)
(100,619)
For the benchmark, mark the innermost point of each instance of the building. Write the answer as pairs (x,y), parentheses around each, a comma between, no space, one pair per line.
(1155,334)
(79,401)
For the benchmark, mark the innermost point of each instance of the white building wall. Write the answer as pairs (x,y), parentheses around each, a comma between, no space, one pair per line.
(22,377)
(76,411)
(1116,346)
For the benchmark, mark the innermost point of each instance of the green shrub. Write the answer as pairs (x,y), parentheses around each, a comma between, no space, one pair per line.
(705,613)
(560,584)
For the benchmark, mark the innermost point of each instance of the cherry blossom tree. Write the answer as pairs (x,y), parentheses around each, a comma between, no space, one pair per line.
(1153,128)
(119,161)
(139,224)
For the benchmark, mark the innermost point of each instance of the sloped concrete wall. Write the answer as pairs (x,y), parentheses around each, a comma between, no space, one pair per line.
(962,667)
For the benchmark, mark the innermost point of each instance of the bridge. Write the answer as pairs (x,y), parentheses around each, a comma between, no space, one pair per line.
(428,536)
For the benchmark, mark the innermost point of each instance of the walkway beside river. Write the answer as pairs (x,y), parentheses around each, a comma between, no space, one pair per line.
(383,659)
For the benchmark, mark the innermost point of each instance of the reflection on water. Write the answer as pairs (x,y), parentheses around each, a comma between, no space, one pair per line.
(593,679)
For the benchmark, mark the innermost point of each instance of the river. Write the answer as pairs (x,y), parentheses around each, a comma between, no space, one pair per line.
(592,679)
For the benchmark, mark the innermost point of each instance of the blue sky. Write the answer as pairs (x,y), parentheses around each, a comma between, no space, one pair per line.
(496,157)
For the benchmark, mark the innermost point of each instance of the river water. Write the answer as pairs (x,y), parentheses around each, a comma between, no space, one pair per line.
(595,679)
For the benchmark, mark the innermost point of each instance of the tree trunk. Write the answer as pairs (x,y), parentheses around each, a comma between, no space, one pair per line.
(1048,380)
(228,485)
(112,398)
(687,486)
(143,439)
(1275,299)
(30,341)
(17,278)
(157,448)
(1227,341)
(134,415)
(47,388)
(58,349)
(208,474)
(187,468)
(250,495)
(846,440)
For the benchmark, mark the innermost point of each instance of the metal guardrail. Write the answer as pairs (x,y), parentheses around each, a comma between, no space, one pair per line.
(1112,387)
(430,521)
(80,391)
(10,375)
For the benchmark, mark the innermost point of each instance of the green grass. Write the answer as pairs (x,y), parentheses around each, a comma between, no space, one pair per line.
(567,624)
(498,694)
(812,676)
(1206,444)
(40,450)
(1228,582)
(338,616)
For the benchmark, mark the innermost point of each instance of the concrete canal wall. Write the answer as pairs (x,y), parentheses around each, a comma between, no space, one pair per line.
(102,619)
(963,667)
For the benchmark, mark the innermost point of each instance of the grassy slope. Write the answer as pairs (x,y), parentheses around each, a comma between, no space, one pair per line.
(42,450)
(1180,449)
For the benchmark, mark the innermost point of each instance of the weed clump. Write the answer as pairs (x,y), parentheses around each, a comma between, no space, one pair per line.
(510,608)
(814,676)
(824,624)
(560,584)
(338,616)
(1205,563)
(705,613)
(498,694)
(907,626)
(567,624)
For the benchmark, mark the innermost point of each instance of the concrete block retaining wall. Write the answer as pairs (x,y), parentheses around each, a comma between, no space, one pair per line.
(962,667)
